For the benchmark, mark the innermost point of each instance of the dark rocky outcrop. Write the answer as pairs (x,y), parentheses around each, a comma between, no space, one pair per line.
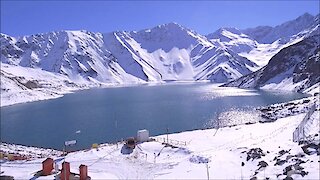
(311,148)
(255,153)
(299,61)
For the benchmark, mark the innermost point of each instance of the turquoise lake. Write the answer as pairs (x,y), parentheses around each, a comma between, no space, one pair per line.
(110,114)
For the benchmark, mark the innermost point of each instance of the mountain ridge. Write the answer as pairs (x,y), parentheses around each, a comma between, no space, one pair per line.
(168,52)
(177,42)
(295,67)
(282,31)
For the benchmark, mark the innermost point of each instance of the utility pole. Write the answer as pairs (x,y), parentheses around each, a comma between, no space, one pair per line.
(167,135)
(116,125)
(64,162)
(207,170)
(115,119)
(66,144)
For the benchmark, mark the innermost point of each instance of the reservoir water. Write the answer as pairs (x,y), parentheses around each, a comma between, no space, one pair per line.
(107,115)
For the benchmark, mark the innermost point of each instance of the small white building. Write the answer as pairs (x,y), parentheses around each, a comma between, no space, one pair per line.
(142,135)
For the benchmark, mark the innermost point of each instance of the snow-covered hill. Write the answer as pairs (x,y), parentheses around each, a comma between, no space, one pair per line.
(294,68)
(24,84)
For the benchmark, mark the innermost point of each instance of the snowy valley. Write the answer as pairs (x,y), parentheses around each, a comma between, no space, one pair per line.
(285,57)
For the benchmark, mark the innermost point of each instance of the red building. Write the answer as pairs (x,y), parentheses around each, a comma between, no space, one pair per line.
(47,166)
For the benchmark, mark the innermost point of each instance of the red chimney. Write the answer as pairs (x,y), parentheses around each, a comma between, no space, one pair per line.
(65,172)
(83,172)
(47,166)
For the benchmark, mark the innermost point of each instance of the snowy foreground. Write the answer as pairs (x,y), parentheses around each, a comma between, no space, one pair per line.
(261,150)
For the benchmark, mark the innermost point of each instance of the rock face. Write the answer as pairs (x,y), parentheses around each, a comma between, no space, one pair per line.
(295,67)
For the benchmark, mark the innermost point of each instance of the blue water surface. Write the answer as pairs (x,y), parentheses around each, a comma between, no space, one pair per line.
(110,114)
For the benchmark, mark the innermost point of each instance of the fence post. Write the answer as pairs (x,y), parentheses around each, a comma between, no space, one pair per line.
(167,134)
(301,127)
(303,135)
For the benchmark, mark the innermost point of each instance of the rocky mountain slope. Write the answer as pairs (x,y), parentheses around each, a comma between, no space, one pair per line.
(294,68)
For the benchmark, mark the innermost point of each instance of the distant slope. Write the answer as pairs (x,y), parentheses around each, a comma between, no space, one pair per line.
(234,39)
(294,68)
(21,84)
(261,43)
(267,34)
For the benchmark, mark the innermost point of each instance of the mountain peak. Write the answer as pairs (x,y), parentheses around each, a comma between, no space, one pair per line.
(172,26)
(230,29)
(305,18)
(306,15)
(167,27)
(226,34)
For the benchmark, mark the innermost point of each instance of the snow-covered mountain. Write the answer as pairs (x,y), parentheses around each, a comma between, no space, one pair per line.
(234,38)
(76,54)
(168,52)
(294,68)
(172,52)
(261,43)
(268,35)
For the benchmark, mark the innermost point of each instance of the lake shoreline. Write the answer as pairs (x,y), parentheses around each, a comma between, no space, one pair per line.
(226,151)
(111,114)
(54,95)
(298,106)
